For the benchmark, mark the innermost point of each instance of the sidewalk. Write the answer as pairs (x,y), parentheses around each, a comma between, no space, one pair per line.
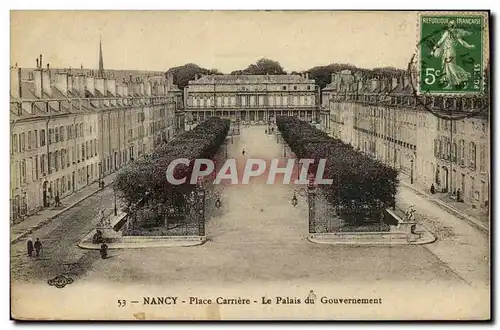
(34,222)
(476,217)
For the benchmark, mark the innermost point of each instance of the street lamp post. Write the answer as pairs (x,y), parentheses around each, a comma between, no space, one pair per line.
(100,173)
(199,199)
(411,171)
(115,209)
(294,199)
(311,189)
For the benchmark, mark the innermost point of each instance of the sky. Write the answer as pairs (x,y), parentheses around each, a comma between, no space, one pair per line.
(226,40)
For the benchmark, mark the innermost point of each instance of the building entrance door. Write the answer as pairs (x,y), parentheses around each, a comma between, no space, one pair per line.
(44,189)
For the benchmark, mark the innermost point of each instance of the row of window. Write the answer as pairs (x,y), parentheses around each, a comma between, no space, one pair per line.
(55,135)
(435,102)
(158,126)
(35,139)
(444,125)
(295,88)
(252,101)
(55,161)
(466,155)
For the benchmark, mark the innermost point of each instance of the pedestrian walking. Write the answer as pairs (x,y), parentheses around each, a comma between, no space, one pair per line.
(104,250)
(58,201)
(433,189)
(459,195)
(38,247)
(30,248)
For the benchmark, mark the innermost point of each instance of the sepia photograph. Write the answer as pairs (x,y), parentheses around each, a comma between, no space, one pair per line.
(249,165)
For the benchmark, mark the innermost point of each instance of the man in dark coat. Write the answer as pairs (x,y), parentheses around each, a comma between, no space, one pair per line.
(38,246)
(30,248)
(104,250)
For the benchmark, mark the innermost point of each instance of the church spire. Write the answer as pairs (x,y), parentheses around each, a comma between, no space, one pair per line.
(101,63)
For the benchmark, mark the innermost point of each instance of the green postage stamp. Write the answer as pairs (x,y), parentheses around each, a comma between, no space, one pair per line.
(453,53)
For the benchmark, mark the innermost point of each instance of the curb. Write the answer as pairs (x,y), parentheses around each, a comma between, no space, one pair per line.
(49,219)
(471,220)
(427,238)
(140,242)
(139,245)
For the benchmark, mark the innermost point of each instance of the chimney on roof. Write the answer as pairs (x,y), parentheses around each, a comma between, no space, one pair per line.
(90,84)
(15,82)
(374,84)
(40,61)
(382,84)
(111,86)
(119,89)
(406,81)
(125,90)
(78,84)
(46,81)
(394,82)
(307,75)
(141,87)
(61,82)
(70,81)
(37,77)
(100,84)
(360,85)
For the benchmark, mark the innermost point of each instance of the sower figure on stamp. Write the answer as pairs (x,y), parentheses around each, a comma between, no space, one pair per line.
(453,74)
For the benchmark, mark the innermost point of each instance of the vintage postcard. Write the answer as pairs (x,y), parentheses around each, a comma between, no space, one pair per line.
(250,165)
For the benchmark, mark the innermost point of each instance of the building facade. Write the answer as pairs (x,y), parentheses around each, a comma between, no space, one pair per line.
(383,119)
(251,98)
(70,128)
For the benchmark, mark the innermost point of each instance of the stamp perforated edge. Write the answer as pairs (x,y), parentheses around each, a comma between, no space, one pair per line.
(485,53)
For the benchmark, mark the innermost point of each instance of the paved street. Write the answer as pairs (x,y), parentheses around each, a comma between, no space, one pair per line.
(257,236)
(460,245)
(59,238)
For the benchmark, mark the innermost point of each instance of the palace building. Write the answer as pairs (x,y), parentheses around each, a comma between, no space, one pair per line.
(251,98)
(381,117)
(71,128)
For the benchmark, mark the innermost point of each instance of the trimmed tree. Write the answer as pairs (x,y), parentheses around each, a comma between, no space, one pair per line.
(362,187)
(143,183)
